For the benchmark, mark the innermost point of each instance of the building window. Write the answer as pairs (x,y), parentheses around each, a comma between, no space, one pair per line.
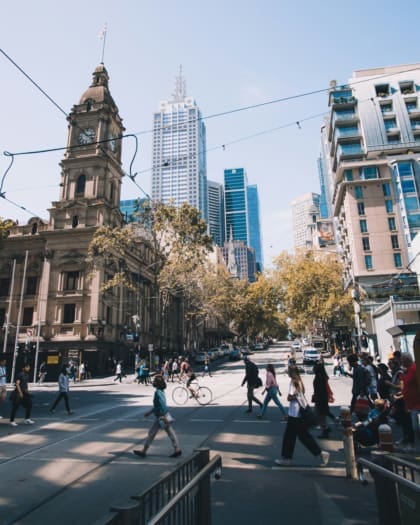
(394,242)
(360,208)
(408,186)
(386,188)
(407,87)
(368,262)
(390,124)
(366,244)
(358,192)
(31,284)
(397,260)
(69,313)
(2,317)
(386,108)
(71,280)
(382,90)
(28,314)
(80,185)
(75,221)
(391,224)
(388,206)
(368,172)
(4,287)
(363,226)
(34,229)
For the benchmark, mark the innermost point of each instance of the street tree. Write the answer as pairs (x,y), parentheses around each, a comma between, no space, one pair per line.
(311,291)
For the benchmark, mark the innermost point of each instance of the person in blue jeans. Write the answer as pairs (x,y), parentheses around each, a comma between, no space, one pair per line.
(272,392)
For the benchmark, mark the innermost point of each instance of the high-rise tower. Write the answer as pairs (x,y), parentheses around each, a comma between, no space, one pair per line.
(236,205)
(254,225)
(179,151)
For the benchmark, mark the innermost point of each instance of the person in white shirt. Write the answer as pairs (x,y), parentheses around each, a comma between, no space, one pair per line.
(3,377)
(295,427)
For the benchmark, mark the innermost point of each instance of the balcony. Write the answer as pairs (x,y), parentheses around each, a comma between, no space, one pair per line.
(340,118)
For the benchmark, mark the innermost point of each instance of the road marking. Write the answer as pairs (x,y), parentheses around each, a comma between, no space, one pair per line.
(207,420)
(250,421)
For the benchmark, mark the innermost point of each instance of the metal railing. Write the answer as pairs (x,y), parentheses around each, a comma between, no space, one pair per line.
(397,487)
(182,497)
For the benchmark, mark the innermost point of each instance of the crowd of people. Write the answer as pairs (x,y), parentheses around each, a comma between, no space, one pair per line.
(381,393)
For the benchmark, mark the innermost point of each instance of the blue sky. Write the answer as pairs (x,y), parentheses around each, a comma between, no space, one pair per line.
(234,53)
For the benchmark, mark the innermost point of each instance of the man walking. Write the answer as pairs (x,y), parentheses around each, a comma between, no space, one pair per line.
(3,378)
(21,396)
(63,391)
(253,381)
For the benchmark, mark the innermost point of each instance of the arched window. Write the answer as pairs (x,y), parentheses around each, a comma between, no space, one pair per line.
(75,221)
(111,192)
(80,185)
(34,228)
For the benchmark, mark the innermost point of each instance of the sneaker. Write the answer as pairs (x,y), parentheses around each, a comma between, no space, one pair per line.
(140,453)
(13,424)
(283,462)
(28,421)
(325,457)
(176,453)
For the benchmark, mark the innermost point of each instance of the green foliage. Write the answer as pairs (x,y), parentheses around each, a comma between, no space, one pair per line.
(310,290)
(5,225)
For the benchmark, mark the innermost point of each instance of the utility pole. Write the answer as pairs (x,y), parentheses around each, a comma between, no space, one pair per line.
(19,320)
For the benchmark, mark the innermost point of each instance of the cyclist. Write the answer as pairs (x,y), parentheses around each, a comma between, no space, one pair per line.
(187,370)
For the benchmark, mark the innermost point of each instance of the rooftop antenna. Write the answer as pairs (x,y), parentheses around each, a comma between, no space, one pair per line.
(180,87)
(102,36)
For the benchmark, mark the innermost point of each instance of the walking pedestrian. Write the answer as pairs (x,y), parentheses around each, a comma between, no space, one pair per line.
(163,420)
(42,372)
(253,381)
(118,371)
(82,371)
(295,427)
(411,395)
(21,396)
(63,391)
(3,380)
(359,375)
(272,392)
(206,366)
(321,397)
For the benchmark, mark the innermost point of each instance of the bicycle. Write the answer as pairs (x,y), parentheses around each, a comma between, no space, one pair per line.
(202,394)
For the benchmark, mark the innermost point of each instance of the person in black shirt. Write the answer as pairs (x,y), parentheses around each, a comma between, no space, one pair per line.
(253,381)
(21,396)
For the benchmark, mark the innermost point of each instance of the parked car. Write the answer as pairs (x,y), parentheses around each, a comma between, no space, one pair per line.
(235,355)
(200,357)
(311,356)
(296,346)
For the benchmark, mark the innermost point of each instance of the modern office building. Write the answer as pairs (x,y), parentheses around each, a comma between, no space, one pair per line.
(179,152)
(236,205)
(254,225)
(370,153)
(216,216)
(132,208)
(305,216)
(239,259)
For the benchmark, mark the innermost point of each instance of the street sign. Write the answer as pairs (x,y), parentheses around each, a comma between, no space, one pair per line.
(150,347)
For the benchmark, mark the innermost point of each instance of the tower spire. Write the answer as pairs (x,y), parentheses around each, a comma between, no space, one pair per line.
(180,87)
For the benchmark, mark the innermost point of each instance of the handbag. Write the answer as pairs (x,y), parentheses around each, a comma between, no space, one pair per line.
(308,416)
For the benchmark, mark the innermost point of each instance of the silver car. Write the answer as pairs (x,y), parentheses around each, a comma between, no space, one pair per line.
(311,356)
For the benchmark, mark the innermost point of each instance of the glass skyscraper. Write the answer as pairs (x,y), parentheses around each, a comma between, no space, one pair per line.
(254,226)
(179,152)
(216,217)
(236,205)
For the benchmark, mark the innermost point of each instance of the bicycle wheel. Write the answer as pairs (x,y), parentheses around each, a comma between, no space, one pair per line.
(180,395)
(204,395)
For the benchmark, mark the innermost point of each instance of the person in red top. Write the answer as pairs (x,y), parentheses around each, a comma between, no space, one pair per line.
(411,391)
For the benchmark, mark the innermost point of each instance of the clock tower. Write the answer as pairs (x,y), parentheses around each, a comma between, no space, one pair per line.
(91,172)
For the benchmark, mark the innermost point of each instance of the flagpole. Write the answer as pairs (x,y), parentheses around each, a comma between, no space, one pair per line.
(102,36)
(9,310)
(19,319)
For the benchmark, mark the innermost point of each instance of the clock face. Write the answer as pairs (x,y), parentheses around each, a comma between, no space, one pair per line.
(87,136)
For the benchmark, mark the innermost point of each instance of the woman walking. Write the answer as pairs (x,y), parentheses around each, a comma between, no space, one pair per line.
(321,397)
(272,392)
(63,391)
(295,426)
(162,420)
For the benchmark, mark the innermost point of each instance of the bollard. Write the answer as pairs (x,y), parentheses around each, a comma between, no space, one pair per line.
(386,441)
(347,432)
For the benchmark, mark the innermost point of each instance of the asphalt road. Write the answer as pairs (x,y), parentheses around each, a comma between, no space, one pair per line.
(74,467)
